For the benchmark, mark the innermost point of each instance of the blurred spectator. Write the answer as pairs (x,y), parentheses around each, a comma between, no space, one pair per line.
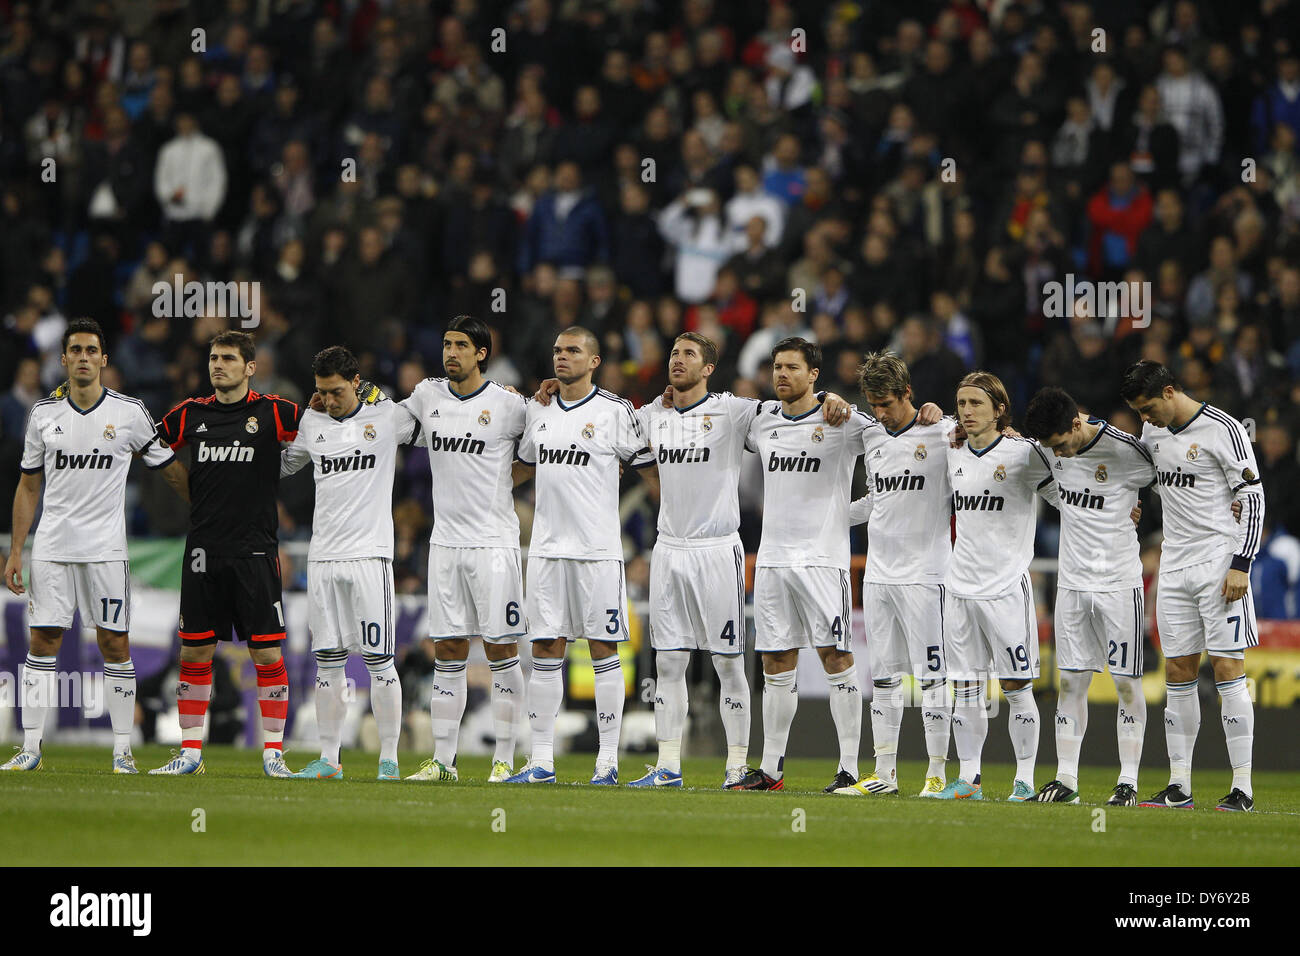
(567,227)
(189,184)
(1117,216)
(1192,105)
(692,225)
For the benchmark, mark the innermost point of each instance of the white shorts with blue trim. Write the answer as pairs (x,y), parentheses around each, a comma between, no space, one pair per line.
(350,605)
(697,596)
(904,625)
(995,636)
(102,589)
(576,599)
(476,592)
(1100,630)
(802,607)
(1192,615)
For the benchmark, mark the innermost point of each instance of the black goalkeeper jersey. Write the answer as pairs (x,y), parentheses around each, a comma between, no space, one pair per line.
(234,469)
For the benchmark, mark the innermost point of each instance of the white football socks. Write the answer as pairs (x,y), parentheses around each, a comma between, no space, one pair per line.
(610,693)
(1022,723)
(936,715)
(119,688)
(331,702)
(386,703)
(507,700)
(846,711)
(670,706)
(447,706)
(780,701)
(1182,723)
(733,705)
(1238,716)
(886,719)
(1071,724)
(970,725)
(1130,727)
(38,698)
(545,695)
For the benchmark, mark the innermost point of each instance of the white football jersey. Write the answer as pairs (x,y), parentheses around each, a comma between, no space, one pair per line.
(1200,468)
(909,535)
(577,450)
(699,450)
(807,483)
(1096,490)
(353,458)
(472,441)
(85,456)
(994,495)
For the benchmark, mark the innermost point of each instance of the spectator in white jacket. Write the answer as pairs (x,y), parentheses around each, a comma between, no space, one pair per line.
(750,200)
(190,183)
(1194,109)
(692,224)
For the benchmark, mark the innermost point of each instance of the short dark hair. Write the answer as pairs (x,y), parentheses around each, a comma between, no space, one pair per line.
(1051,412)
(240,340)
(707,348)
(86,327)
(811,351)
(591,342)
(335,360)
(477,332)
(1146,379)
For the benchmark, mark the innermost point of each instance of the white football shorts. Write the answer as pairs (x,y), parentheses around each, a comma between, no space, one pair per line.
(576,599)
(697,597)
(350,605)
(476,592)
(995,636)
(802,607)
(102,589)
(904,629)
(1192,615)
(1096,631)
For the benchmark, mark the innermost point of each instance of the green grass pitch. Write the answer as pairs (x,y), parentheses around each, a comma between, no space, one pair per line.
(76,813)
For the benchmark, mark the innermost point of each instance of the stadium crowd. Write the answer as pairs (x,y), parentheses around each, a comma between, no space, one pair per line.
(871,175)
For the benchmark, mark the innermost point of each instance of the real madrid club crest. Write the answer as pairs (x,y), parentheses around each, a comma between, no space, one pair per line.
(250,426)
(817,434)
(1000,473)
(485,417)
(1100,474)
(1194,452)
(919,454)
(109,433)
(369,432)
(706,425)
(589,431)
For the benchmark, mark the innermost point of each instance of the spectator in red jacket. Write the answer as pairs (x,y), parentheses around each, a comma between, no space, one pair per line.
(1118,213)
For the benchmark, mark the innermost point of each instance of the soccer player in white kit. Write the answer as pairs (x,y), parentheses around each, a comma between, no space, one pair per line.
(1099,599)
(472,427)
(576,584)
(990,622)
(697,570)
(801,582)
(81,443)
(352,446)
(1204,462)
(909,506)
